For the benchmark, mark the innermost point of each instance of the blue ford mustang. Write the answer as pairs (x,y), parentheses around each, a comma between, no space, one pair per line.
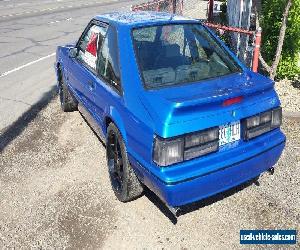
(177,110)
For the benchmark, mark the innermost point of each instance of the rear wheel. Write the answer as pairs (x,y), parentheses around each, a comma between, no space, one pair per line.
(124,182)
(67,101)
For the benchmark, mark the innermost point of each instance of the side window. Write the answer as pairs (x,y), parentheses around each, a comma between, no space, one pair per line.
(89,45)
(109,68)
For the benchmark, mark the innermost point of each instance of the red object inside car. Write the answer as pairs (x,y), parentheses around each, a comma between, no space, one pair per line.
(92,45)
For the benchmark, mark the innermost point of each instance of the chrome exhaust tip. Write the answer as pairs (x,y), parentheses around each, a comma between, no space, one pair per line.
(174,210)
(271,171)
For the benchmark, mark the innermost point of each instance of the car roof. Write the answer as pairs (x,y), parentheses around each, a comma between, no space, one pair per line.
(138,18)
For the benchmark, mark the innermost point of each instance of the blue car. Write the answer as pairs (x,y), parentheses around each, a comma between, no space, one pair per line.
(178,112)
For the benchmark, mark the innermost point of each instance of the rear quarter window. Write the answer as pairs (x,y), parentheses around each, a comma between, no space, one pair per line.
(108,64)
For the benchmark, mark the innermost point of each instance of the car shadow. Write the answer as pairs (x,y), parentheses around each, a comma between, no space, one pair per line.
(101,140)
(195,205)
(8,134)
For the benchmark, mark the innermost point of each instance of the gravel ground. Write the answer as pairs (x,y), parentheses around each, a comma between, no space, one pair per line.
(289,94)
(55,193)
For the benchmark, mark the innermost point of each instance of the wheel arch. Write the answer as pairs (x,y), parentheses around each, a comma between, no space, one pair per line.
(114,117)
(59,72)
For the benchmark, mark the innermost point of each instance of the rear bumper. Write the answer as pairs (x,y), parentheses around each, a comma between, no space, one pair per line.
(199,187)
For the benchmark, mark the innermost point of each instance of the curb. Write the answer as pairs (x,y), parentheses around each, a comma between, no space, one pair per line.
(291,115)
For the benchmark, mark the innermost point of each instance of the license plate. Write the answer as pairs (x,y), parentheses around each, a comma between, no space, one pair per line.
(229,133)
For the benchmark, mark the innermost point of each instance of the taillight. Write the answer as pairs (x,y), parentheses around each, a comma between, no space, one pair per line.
(174,150)
(262,123)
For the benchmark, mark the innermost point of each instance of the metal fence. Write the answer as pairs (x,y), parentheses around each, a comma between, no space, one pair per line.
(189,8)
(248,56)
(199,9)
(173,6)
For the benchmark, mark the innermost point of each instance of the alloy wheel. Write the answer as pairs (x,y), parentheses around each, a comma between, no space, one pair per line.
(115,162)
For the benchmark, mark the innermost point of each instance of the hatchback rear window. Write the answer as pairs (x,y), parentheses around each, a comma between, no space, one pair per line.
(180,53)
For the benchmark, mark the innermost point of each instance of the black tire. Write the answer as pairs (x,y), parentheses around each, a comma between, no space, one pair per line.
(124,181)
(67,102)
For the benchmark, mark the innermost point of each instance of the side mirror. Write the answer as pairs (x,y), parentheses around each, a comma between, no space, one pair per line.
(73,52)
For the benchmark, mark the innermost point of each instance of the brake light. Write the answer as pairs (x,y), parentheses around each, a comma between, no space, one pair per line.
(232,101)
(262,123)
(173,150)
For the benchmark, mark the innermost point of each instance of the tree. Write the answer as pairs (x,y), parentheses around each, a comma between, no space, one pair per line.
(284,52)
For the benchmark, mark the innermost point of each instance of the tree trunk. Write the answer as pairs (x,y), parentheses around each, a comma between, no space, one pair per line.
(280,40)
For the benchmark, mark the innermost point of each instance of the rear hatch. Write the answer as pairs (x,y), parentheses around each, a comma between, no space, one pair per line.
(192,107)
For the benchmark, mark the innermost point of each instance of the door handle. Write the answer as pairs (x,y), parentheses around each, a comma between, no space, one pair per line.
(91,85)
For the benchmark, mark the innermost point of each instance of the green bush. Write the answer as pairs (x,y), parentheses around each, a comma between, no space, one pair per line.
(272,11)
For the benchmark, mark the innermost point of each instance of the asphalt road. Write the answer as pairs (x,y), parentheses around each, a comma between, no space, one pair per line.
(30,31)
(54,187)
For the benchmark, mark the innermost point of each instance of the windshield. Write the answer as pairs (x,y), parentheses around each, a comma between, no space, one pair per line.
(179,53)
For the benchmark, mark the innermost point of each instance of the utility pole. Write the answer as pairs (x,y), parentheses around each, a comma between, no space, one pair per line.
(210,16)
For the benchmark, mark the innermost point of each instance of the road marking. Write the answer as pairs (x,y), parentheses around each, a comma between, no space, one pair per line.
(63,20)
(26,65)
(54,8)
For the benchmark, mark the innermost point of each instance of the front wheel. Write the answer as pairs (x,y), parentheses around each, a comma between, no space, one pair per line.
(124,182)
(67,101)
